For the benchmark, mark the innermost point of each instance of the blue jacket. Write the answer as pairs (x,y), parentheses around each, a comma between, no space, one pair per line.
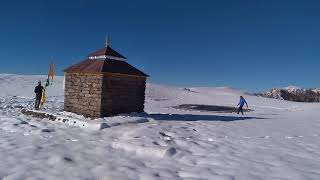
(242,102)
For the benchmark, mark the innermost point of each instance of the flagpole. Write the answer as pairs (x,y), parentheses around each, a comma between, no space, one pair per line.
(50,73)
(51,69)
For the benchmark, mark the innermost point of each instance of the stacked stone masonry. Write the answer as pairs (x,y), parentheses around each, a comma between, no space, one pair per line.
(100,95)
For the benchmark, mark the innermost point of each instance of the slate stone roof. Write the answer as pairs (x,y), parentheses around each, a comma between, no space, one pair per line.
(104,66)
(107,51)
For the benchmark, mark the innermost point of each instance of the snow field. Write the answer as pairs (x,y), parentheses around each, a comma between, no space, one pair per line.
(278,140)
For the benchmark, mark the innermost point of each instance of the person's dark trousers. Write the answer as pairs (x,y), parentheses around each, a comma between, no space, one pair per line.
(37,103)
(240,109)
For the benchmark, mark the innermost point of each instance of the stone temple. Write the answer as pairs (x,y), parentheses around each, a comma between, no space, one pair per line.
(103,85)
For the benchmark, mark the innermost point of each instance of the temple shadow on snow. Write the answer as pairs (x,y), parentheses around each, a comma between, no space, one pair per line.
(210,108)
(195,117)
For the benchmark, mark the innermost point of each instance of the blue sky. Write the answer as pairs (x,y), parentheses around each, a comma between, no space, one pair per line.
(248,44)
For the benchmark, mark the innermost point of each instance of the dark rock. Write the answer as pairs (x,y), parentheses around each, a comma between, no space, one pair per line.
(293,94)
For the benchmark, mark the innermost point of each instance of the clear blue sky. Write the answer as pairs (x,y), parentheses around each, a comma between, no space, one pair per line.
(247,44)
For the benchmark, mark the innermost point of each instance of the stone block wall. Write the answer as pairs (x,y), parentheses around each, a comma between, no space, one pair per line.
(83,94)
(100,95)
(122,94)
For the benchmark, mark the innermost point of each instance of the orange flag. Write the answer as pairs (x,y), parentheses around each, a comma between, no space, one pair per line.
(50,74)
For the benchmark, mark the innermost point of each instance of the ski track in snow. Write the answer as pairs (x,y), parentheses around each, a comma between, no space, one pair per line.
(278,140)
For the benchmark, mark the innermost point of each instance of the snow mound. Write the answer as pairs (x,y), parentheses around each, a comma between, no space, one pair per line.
(158,152)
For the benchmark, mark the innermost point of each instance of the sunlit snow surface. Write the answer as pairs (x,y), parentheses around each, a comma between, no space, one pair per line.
(278,140)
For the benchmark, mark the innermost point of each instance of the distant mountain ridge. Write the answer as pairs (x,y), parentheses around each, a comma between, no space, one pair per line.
(293,93)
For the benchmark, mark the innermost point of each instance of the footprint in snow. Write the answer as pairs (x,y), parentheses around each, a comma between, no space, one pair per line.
(47,130)
(67,159)
(46,137)
(156,143)
(164,134)
(265,137)
(166,137)
(24,122)
(245,137)
(298,136)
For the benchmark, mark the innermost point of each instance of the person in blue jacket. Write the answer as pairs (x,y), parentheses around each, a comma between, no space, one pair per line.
(241,104)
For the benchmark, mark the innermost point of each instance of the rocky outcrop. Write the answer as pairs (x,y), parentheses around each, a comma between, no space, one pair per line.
(292,93)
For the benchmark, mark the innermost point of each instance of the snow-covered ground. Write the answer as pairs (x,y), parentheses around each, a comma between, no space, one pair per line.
(278,140)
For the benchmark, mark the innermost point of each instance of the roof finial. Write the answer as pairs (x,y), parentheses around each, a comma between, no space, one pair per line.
(107,41)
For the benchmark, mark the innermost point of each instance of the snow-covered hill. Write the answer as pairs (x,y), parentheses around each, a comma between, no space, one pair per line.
(278,140)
